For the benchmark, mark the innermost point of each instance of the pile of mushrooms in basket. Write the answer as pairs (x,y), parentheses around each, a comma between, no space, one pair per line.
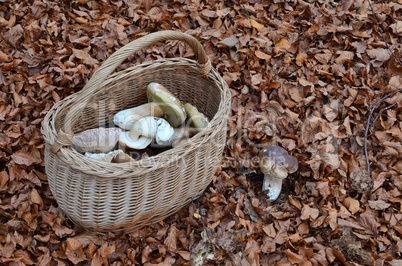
(157,123)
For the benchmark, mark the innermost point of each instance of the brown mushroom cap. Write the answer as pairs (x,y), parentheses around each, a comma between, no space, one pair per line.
(277,161)
(96,140)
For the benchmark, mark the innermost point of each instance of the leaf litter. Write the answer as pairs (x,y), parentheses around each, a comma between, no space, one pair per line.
(304,75)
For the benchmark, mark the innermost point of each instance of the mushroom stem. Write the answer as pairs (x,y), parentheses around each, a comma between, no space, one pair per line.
(272,185)
(134,134)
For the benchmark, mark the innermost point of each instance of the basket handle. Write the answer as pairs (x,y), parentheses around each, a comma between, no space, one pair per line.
(65,135)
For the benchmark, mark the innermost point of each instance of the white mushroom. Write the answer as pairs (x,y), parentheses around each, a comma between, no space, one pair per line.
(126,118)
(138,144)
(179,134)
(152,127)
(96,140)
(276,163)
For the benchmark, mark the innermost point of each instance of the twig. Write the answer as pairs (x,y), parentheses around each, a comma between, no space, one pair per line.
(382,99)
(248,14)
(376,118)
(198,211)
(369,123)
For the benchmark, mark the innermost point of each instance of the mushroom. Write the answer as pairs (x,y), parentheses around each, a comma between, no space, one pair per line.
(139,144)
(197,119)
(276,163)
(126,118)
(122,157)
(174,110)
(179,134)
(105,157)
(152,127)
(96,140)
(144,130)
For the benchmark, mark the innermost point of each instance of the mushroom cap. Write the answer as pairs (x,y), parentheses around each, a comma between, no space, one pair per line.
(96,140)
(126,118)
(152,127)
(174,110)
(146,126)
(276,161)
(197,119)
(139,144)
(164,133)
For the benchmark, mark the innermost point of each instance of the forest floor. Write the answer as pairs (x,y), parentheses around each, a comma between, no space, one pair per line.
(303,75)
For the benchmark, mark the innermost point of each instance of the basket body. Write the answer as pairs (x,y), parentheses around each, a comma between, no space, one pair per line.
(124,197)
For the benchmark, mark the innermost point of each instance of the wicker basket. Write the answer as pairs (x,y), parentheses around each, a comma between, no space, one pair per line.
(114,197)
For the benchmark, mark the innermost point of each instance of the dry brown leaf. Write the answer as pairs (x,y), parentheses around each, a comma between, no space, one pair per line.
(26,158)
(35,198)
(171,240)
(74,251)
(378,205)
(283,43)
(294,258)
(295,203)
(3,57)
(269,230)
(256,25)
(4,177)
(231,41)
(352,205)
(81,20)
(309,213)
(379,54)
(344,57)
(14,35)
(83,55)
(301,58)
(262,55)
(369,222)
(323,188)
(296,95)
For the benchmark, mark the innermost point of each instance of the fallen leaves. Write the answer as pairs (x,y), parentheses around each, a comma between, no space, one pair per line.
(74,251)
(309,213)
(83,55)
(301,76)
(352,205)
(27,158)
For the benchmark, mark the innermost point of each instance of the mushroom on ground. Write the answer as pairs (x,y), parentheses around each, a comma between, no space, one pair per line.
(276,163)
(96,140)
(174,110)
(126,118)
(197,119)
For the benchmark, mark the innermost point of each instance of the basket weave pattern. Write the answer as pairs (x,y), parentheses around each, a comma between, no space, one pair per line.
(124,197)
